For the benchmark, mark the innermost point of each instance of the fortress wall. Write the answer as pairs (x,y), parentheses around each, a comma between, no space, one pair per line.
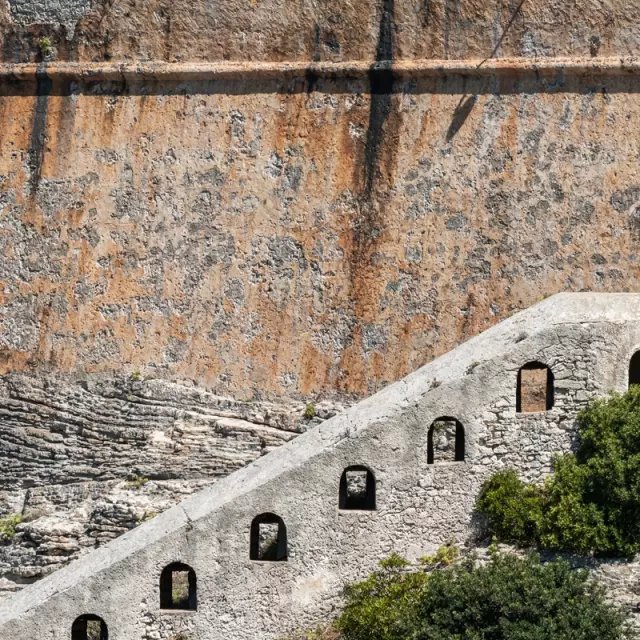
(280,236)
(587,340)
(180,30)
(303,238)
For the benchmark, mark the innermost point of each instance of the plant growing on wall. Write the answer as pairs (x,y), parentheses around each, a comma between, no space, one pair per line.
(46,46)
(508,598)
(8,526)
(310,411)
(135,481)
(591,503)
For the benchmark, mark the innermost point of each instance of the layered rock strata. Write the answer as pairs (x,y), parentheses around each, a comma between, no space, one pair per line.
(85,461)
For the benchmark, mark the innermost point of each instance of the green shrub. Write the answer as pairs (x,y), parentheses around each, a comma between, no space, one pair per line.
(591,504)
(514,509)
(8,526)
(509,598)
(444,556)
(380,607)
(134,481)
(45,45)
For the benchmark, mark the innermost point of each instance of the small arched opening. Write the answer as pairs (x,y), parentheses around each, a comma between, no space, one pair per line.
(178,587)
(357,489)
(634,368)
(89,627)
(268,538)
(534,390)
(445,441)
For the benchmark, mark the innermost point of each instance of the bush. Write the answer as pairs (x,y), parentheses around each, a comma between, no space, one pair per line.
(8,526)
(513,508)
(380,607)
(509,598)
(591,504)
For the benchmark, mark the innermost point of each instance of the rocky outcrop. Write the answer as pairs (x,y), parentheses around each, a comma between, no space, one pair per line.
(85,461)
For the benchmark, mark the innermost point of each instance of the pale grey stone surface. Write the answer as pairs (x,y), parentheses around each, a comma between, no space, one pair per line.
(586,339)
(66,12)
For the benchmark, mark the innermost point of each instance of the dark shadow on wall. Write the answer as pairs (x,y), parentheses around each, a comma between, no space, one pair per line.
(376,82)
(514,15)
(381,89)
(462,112)
(44,87)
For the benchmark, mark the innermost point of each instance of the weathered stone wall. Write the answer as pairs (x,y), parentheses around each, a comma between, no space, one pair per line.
(586,340)
(277,238)
(317,235)
(295,238)
(306,30)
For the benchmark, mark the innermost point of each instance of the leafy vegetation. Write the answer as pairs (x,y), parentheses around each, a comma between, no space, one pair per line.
(135,481)
(513,508)
(510,598)
(310,411)
(591,504)
(381,606)
(8,526)
(45,45)
(444,556)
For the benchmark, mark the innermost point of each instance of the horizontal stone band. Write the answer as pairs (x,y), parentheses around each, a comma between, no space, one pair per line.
(229,70)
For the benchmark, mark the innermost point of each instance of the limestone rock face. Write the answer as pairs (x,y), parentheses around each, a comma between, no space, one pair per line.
(86,461)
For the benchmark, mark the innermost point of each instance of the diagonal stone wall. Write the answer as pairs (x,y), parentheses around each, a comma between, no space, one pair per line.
(585,339)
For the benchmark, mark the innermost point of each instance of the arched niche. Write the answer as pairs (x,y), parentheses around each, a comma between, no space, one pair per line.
(535,388)
(634,369)
(89,627)
(446,441)
(268,538)
(178,587)
(357,489)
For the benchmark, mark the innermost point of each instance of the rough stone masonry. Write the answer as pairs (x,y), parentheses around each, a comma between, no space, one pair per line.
(221,222)
(422,499)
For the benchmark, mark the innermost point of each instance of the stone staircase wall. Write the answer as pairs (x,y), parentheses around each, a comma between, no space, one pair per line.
(586,340)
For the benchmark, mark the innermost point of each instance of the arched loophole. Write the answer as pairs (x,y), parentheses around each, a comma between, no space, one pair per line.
(445,441)
(178,587)
(268,538)
(89,627)
(634,369)
(535,388)
(357,489)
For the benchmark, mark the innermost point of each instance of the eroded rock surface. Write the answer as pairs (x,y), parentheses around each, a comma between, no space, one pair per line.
(84,462)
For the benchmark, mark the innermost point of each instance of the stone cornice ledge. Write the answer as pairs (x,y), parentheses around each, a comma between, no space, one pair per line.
(238,70)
